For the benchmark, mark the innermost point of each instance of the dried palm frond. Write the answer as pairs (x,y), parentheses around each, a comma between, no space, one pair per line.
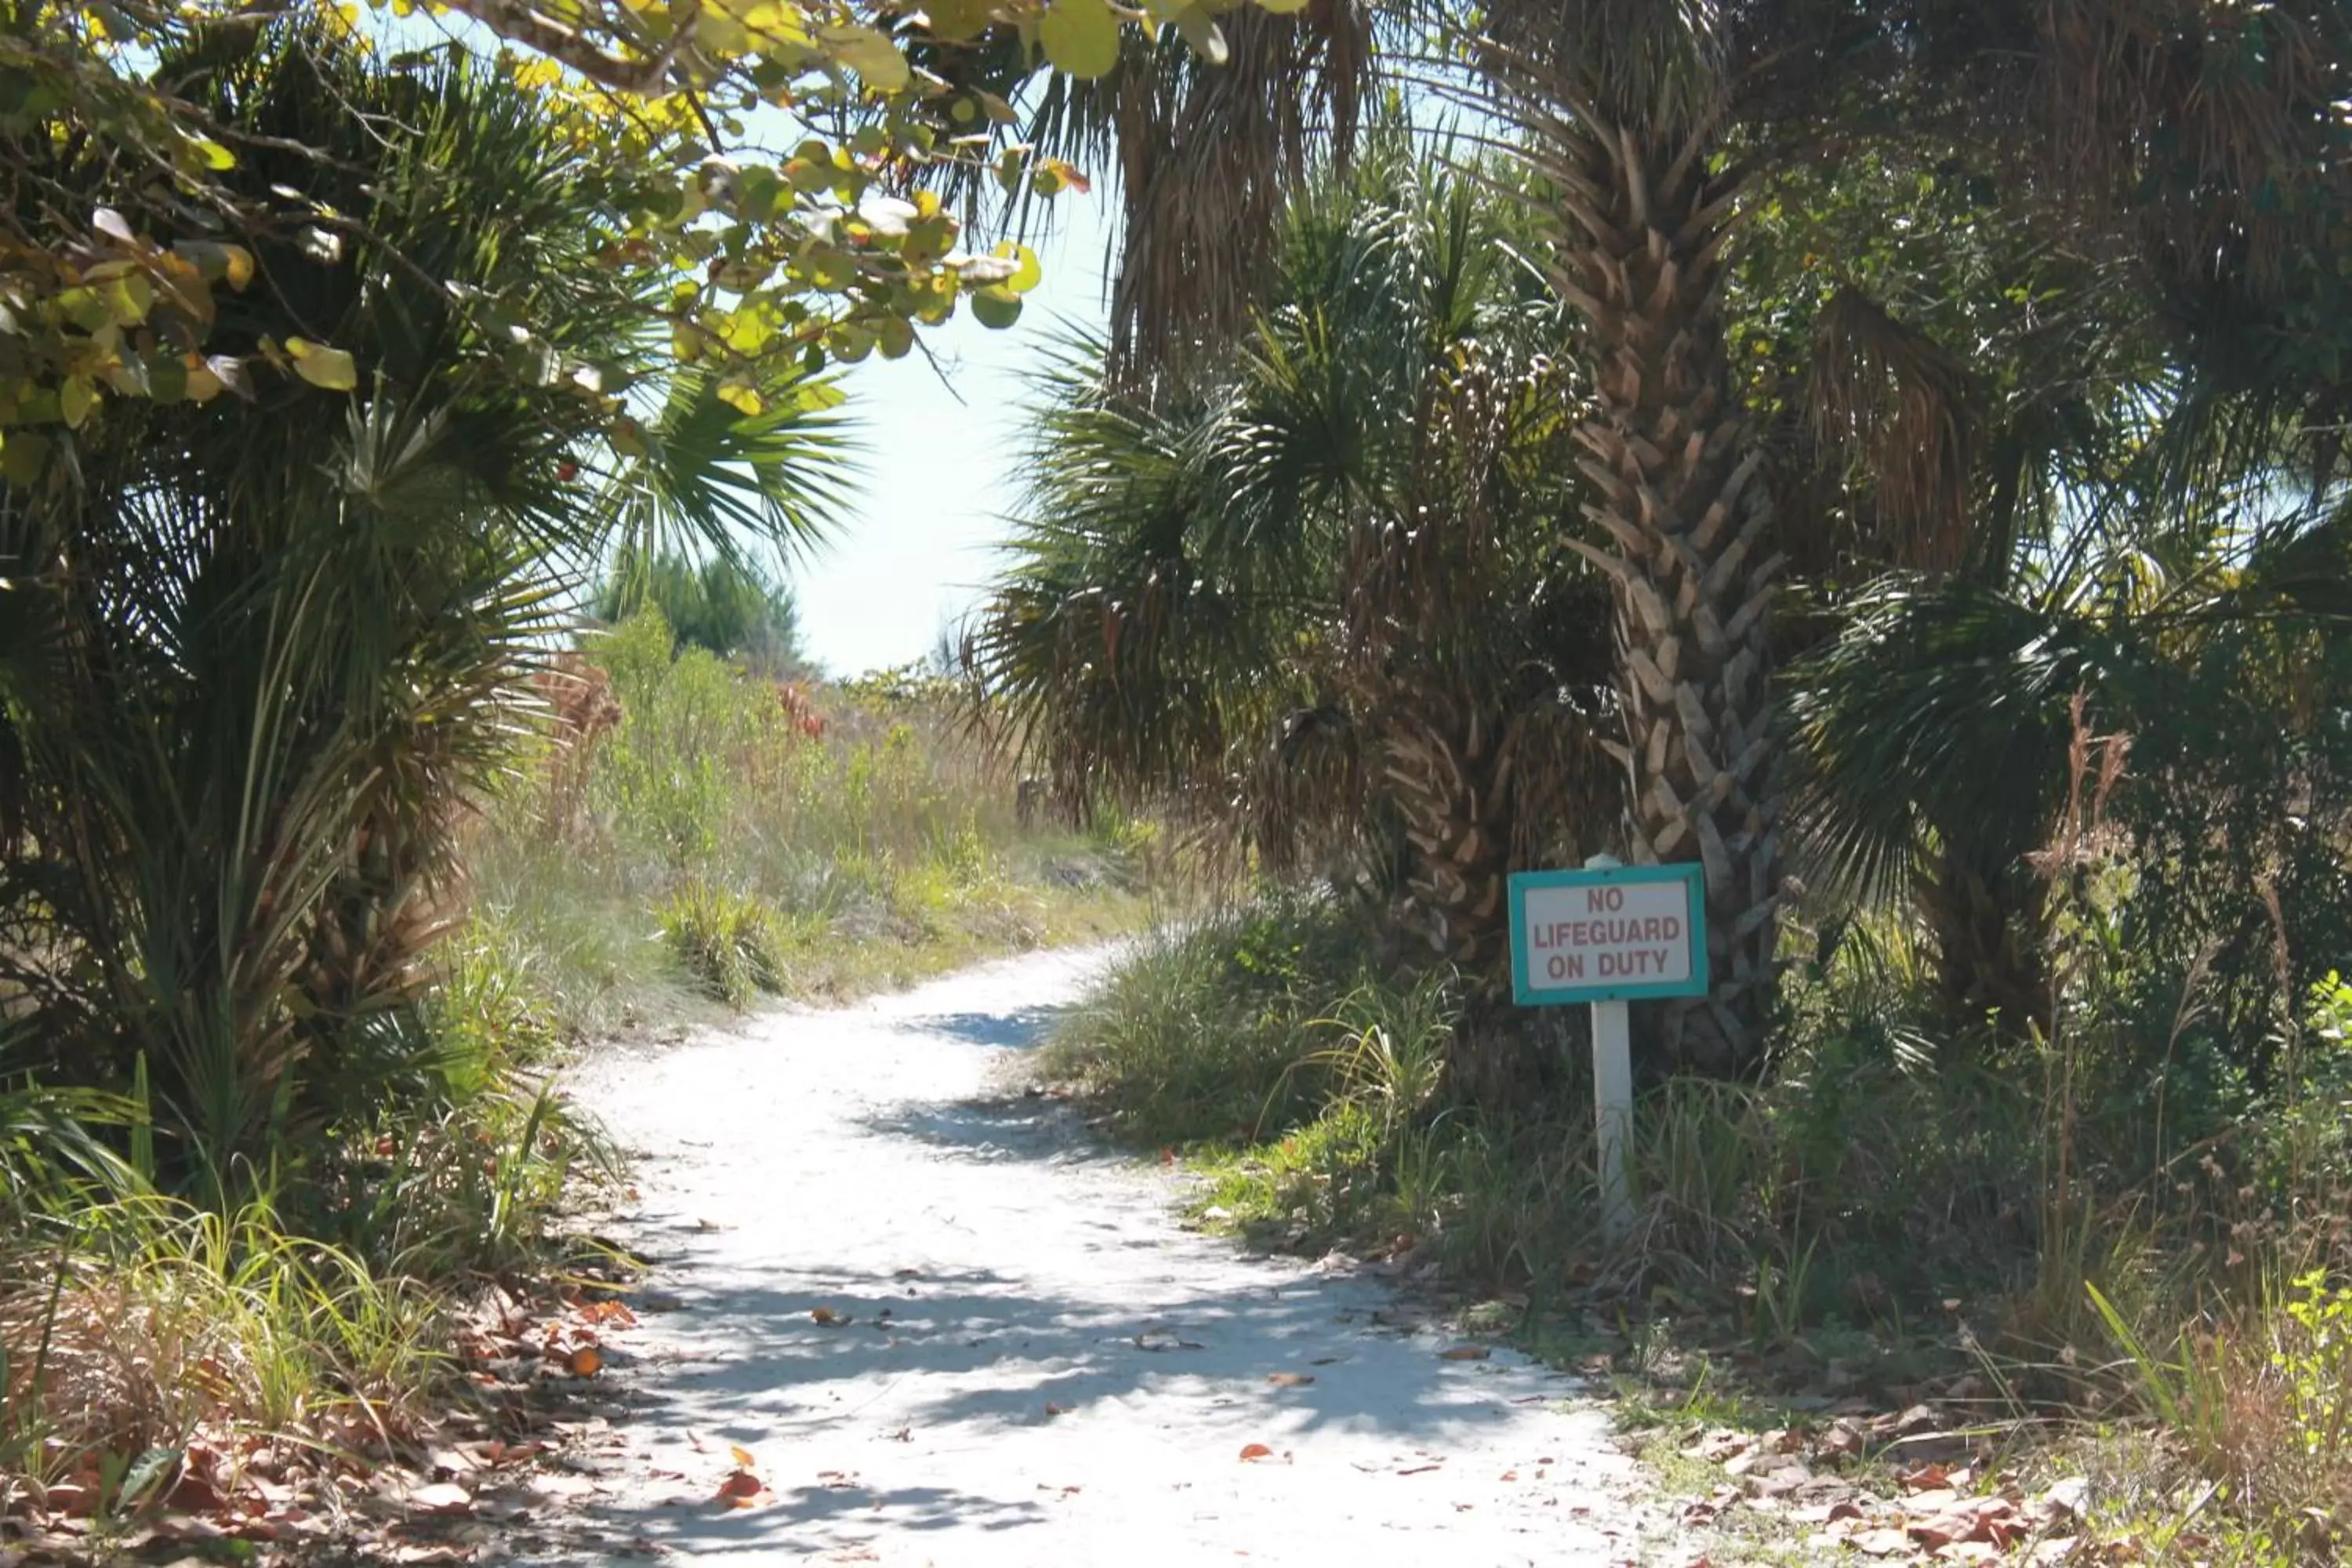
(1896,403)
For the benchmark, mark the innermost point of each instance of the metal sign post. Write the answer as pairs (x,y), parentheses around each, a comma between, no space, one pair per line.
(1607,935)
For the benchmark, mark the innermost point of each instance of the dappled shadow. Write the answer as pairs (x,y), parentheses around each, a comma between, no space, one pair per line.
(766,1362)
(1015,1126)
(1048,1325)
(977,1355)
(1017,1030)
(811,1520)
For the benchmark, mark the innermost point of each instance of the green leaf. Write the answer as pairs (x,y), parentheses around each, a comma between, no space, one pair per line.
(25,456)
(996,307)
(1080,37)
(331,369)
(741,396)
(127,299)
(958,21)
(1201,31)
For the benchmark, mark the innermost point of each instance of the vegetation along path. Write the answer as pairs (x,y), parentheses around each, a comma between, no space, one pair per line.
(942,1328)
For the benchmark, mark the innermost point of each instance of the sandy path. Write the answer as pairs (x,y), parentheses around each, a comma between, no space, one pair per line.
(994,1269)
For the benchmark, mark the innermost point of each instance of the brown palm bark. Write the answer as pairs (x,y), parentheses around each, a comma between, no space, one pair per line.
(1642,220)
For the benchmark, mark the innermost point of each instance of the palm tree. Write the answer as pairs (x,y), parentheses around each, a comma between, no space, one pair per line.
(1327,589)
(269,647)
(1622,105)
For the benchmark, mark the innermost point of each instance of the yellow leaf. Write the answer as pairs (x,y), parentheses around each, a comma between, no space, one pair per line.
(743,1458)
(1080,37)
(75,400)
(1026,273)
(1283,7)
(331,369)
(870,53)
(202,385)
(740,397)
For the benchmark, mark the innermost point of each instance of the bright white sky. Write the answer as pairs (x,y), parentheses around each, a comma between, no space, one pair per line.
(939,475)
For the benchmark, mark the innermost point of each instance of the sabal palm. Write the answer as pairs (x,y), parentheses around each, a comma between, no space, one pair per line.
(1332,582)
(268,648)
(1624,107)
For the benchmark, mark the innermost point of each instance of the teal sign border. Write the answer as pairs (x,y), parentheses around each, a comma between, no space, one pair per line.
(1692,877)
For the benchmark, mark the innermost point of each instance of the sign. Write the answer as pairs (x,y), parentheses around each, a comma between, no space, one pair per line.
(1608,934)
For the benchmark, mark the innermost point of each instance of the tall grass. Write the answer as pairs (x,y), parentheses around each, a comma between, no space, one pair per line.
(742,835)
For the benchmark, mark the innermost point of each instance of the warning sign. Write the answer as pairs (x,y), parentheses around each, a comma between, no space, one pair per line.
(1608,934)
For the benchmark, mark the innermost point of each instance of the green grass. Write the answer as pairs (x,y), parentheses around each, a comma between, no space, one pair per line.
(1890,1211)
(724,853)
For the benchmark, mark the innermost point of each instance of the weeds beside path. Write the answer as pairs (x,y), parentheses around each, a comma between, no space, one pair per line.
(941,1328)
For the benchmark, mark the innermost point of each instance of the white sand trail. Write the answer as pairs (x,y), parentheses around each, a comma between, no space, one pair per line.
(1036,1364)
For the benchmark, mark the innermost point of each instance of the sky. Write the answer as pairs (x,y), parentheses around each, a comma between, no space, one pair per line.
(940,442)
(939,475)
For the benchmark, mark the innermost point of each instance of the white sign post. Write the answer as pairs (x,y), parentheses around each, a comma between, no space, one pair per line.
(1607,935)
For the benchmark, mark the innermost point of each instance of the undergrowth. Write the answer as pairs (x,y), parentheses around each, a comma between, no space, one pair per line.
(162,1334)
(1891,1205)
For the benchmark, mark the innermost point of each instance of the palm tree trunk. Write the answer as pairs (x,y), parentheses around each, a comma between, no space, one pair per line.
(1990,931)
(1641,255)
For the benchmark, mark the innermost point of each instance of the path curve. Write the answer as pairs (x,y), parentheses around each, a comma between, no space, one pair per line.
(1033,1363)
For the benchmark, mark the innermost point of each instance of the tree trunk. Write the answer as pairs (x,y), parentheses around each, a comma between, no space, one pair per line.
(1991,932)
(1447,781)
(1642,257)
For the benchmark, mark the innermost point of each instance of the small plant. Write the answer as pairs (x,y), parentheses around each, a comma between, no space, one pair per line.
(727,942)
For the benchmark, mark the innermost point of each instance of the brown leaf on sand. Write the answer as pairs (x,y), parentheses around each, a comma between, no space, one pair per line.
(1290,1379)
(1464,1352)
(740,1490)
(1252,1452)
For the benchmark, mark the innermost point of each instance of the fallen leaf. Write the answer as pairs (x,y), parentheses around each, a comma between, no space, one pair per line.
(1883,1543)
(586,1362)
(442,1497)
(1253,1451)
(1290,1379)
(1924,1479)
(743,1458)
(739,1487)
(1464,1352)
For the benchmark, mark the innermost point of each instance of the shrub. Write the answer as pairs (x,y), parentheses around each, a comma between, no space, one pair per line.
(726,940)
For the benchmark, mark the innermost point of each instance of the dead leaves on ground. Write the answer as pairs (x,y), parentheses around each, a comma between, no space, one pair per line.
(743,1488)
(363,1482)
(1947,1509)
